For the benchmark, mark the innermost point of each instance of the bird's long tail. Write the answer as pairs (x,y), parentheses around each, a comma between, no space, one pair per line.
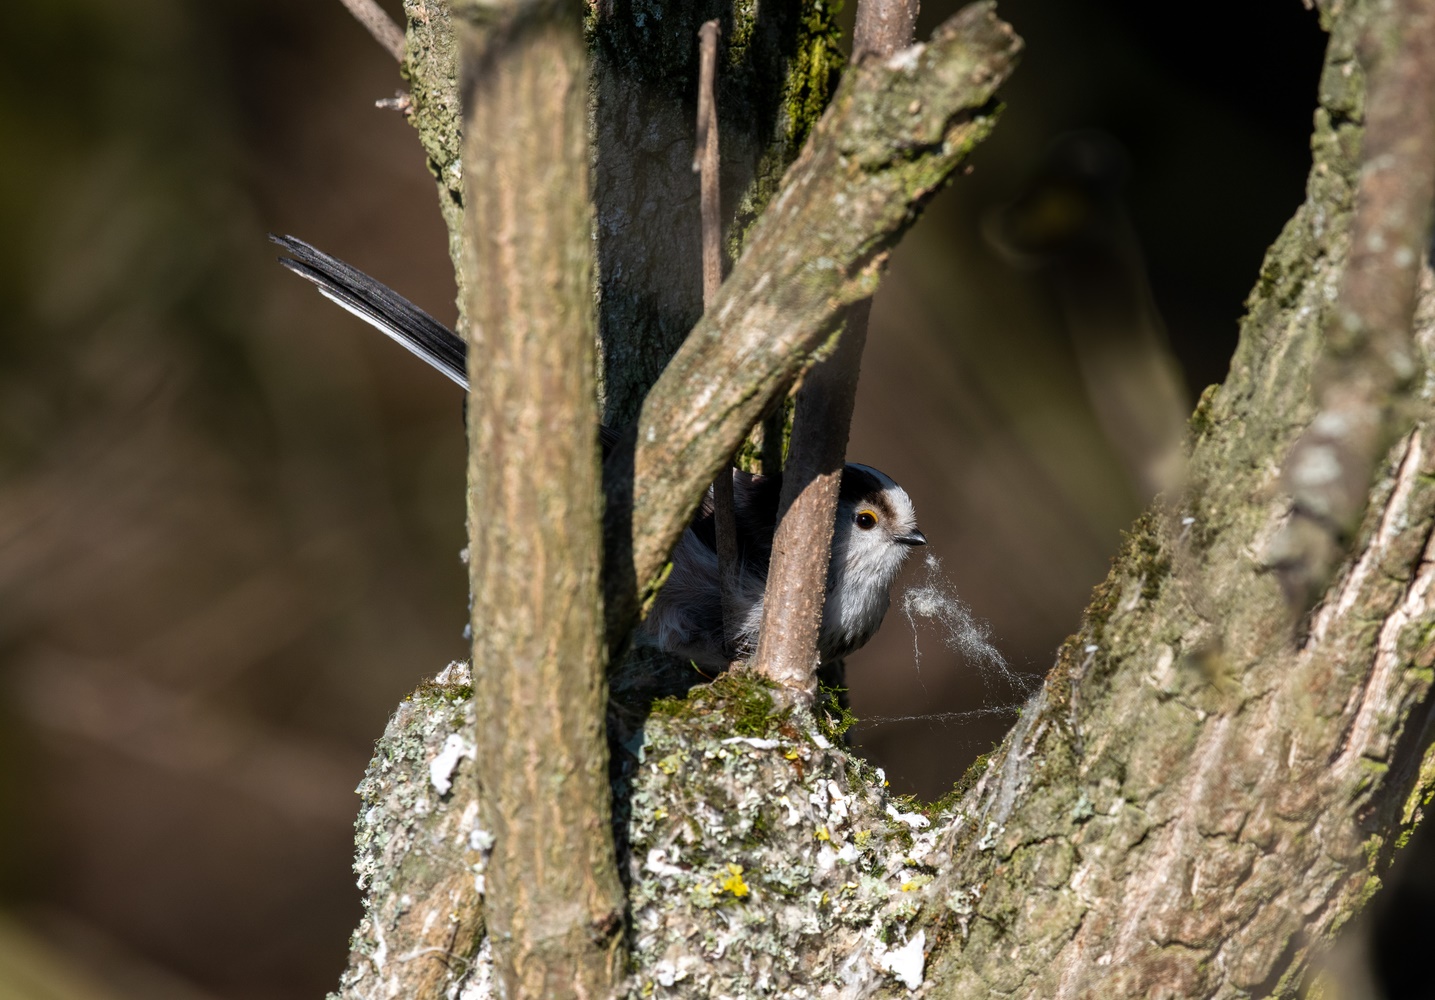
(380,306)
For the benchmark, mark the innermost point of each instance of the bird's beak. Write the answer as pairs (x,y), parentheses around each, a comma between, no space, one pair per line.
(914,538)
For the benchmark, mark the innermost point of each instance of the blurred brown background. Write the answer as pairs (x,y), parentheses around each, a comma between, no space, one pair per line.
(230,516)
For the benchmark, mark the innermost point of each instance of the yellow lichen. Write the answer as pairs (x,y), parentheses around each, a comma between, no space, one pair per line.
(734,883)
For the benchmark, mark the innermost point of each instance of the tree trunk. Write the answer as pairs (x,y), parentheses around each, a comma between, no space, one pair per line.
(1205,790)
(555,905)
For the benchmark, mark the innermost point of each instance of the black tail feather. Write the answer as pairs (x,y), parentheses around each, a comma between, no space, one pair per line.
(380,306)
(389,312)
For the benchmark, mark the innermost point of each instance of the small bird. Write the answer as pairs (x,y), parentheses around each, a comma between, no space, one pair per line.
(875,529)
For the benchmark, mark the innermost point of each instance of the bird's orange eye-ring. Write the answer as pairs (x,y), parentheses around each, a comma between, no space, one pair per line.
(866,520)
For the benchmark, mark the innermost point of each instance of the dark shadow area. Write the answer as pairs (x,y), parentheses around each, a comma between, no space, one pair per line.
(1400,926)
(645,191)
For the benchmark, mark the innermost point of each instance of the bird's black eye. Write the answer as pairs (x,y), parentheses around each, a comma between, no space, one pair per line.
(866,520)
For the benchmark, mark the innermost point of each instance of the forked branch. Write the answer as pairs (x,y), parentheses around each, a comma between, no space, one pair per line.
(893,135)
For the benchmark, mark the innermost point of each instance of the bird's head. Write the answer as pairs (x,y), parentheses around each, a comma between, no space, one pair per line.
(876,528)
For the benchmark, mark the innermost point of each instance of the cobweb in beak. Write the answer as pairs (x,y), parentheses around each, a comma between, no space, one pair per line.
(935,600)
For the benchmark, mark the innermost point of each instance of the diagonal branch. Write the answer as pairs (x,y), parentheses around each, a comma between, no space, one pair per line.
(893,135)
(379,24)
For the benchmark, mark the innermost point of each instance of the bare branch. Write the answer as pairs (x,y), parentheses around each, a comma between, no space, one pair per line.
(379,24)
(891,138)
(1369,362)
(706,163)
(802,545)
(555,905)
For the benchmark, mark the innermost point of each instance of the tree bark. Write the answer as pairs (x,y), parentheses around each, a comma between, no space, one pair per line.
(554,906)
(1368,362)
(1207,788)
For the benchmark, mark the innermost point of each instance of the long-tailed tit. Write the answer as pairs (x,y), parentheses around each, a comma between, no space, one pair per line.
(876,526)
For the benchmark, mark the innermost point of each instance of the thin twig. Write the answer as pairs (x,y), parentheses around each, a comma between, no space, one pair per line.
(802,545)
(705,161)
(1369,355)
(379,24)
(705,164)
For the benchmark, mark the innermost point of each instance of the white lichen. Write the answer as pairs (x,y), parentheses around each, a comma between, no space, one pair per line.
(906,962)
(441,768)
(827,862)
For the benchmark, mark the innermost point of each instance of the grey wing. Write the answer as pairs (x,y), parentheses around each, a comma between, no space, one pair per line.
(755,499)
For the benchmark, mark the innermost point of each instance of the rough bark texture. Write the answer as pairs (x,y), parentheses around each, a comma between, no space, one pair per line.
(1198,798)
(1204,792)
(555,905)
(894,133)
(420,852)
(431,67)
